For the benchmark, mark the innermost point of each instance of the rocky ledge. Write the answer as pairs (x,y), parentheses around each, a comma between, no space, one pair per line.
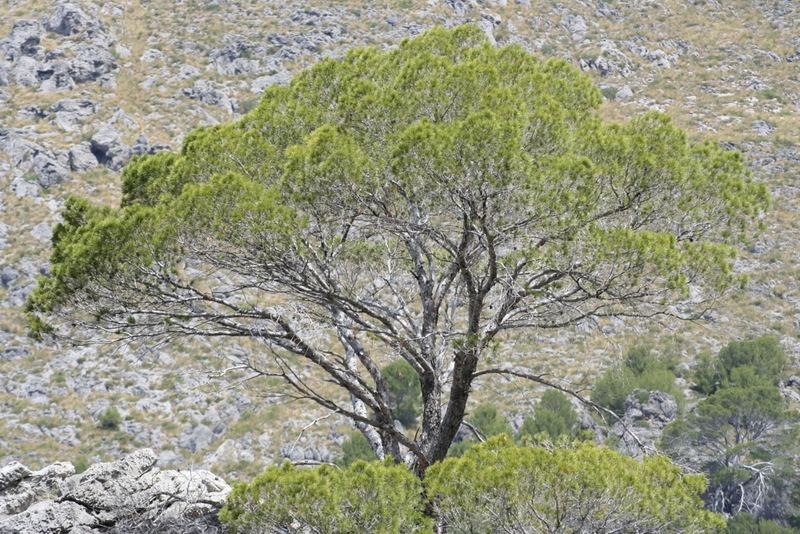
(130,495)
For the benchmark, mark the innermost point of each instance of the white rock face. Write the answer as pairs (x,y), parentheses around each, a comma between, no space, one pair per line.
(120,493)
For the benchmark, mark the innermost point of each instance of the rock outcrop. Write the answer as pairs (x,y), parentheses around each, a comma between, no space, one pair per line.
(128,495)
(646,414)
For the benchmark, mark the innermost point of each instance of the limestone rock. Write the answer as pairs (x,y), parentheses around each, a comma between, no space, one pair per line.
(108,148)
(646,414)
(48,517)
(13,472)
(128,495)
(81,157)
(69,19)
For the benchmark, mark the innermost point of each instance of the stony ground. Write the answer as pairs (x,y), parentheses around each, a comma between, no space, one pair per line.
(84,86)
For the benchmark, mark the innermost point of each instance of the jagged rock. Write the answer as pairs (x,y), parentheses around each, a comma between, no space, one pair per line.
(204,92)
(488,29)
(19,495)
(69,19)
(188,71)
(237,57)
(108,148)
(48,517)
(763,127)
(141,146)
(91,62)
(790,388)
(81,157)
(261,83)
(116,496)
(26,71)
(576,25)
(13,472)
(624,93)
(55,76)
(24,40)
(49,170)
(69,112)
(42,231)
(197,438)
(646,414)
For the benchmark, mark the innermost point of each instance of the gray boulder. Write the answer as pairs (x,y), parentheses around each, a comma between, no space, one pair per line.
(129,495)
(141,146)
(51,517)
(90,63)
(108,148)
(646,415)
(69,19)
(576,25)
(70,112)
(26,72)
(23,487)
(203,91)
(23,40)
(49,169)
(81,157)
(196,438)
(13,472)
(55,76)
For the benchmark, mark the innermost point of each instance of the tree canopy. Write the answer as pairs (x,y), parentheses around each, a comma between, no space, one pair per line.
(420,203)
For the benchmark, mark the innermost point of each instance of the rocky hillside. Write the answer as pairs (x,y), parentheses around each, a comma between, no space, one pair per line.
(86,86)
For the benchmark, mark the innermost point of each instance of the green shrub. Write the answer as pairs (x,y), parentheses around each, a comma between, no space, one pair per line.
(355,448)
(81,464)
(377,497)
(640,369)
(500,487)
(609,92)
(109,419)
(405,395)
(554,416)
(747,524)
(487,420)
(748,363)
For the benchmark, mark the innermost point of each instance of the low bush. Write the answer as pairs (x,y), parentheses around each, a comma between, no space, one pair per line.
(554,417)
(755,362)
(501,487)
(642,369)
(376,497)
(496,486)
(356,447)
(110,419)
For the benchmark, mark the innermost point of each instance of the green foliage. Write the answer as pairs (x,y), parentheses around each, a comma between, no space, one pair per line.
(487,420)
(728,434)
(81,464)
(610,92)
(554,416)
(748,524)
(445,104)
(748,363)
(641,369)
(109,419)
(355,448)
(500,487)
(405,395)
(364,497)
